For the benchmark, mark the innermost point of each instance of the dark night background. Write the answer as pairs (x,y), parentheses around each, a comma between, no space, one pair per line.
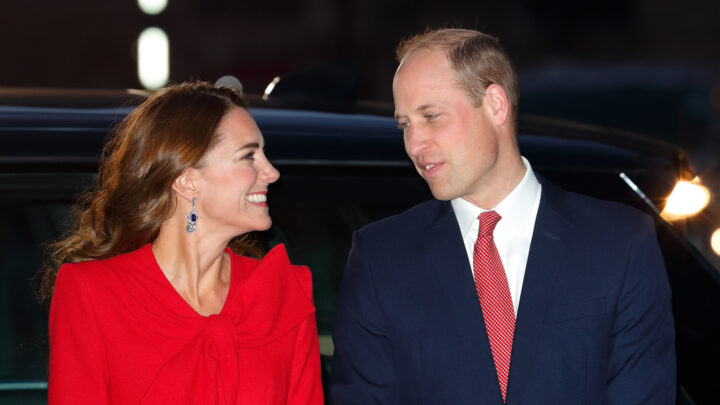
(652,66)
(649,66)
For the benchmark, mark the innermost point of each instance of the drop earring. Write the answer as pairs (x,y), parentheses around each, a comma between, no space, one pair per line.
(192,218)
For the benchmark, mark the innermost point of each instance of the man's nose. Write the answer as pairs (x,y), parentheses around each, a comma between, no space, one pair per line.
(415,140)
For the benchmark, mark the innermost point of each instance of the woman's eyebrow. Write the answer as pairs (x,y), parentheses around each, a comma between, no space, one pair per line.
(251,145)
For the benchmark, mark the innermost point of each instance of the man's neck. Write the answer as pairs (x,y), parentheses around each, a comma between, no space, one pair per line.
(506,178)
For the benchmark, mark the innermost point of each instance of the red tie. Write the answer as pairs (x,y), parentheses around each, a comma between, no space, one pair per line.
(492,288)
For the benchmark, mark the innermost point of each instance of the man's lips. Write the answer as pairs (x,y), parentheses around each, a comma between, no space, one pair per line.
(429,169)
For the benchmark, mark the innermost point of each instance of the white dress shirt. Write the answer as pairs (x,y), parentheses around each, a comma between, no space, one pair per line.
(512,234)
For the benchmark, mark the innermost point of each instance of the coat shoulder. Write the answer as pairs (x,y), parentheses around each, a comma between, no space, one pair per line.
(407,222)
(594,212)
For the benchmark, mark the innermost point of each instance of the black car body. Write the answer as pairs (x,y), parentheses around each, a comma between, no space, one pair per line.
(340,171)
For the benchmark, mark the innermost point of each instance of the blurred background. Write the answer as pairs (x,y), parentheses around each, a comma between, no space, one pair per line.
(643,65)
(648,66)
(652,67)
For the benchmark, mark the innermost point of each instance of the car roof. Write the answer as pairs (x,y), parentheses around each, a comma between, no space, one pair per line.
(41,128)
(554,136)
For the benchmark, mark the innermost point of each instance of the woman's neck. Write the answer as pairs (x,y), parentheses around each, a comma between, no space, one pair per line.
(196,266)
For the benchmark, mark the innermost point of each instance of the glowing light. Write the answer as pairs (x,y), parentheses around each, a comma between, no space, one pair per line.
(152,7)
(688,198)
(270,87)
(153,58)
(715,241)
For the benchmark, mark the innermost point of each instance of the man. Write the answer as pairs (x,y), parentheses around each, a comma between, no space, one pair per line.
(504,288)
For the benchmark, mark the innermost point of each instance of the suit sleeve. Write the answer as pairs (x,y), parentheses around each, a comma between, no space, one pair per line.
(363,369)
(78,369)
(642,356)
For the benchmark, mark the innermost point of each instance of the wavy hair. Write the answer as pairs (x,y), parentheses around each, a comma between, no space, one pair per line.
(168,133)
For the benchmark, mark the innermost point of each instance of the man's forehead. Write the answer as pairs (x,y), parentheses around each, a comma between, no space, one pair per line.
(423,56)
(422,65)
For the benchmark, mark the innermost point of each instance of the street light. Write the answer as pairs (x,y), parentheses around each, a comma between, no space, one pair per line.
(153,58)
(687,199)
(152,7)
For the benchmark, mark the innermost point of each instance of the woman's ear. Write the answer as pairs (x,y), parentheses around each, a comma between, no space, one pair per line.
(498,103)
(185,184)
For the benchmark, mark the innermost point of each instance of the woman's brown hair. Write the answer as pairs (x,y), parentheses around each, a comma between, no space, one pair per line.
(168,133)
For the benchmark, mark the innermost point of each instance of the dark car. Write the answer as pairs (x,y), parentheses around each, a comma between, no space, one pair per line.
(340,171)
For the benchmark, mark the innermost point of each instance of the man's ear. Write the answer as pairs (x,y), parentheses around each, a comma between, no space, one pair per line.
(185,184)
(498,104)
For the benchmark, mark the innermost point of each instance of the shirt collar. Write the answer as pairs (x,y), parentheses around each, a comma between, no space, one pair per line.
(513,208)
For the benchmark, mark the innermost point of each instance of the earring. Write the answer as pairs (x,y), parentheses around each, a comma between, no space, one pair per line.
(192,218)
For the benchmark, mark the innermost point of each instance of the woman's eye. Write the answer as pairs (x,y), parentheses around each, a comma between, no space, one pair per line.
(249,156)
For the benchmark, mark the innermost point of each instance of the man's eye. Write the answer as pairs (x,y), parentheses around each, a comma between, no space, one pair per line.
(403,125)
(431,116)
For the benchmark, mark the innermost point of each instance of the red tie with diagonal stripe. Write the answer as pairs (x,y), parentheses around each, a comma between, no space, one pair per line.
(494,293)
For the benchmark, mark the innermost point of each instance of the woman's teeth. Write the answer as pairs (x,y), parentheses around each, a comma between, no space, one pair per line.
(256,198)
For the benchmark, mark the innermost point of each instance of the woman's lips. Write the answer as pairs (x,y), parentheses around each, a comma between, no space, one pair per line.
(259,198)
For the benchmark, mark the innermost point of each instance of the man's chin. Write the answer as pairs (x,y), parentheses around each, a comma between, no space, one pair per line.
(442,195)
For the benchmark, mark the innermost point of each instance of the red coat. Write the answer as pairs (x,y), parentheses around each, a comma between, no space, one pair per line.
(121,334)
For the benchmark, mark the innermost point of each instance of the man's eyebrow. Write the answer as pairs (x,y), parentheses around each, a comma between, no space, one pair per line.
(419,109)
(424,107)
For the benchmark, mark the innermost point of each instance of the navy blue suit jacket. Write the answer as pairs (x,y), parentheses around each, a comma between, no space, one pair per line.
(594,324)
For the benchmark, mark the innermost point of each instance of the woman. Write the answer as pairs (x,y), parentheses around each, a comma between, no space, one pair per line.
(154,302)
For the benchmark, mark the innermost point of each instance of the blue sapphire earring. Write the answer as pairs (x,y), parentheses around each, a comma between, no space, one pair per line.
(192,218)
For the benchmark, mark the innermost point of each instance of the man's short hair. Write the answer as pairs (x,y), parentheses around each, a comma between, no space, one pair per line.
(477,59)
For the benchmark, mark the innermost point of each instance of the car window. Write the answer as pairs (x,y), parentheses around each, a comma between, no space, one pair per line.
(316,209)
(35,209)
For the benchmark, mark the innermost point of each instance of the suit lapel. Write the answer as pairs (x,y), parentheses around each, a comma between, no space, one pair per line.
(547,248)
(453,276)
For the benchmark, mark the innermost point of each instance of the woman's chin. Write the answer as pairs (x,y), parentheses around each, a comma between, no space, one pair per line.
(257,226)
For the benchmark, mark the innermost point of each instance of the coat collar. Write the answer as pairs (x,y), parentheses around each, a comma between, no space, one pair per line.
(454,277)
(548,247)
